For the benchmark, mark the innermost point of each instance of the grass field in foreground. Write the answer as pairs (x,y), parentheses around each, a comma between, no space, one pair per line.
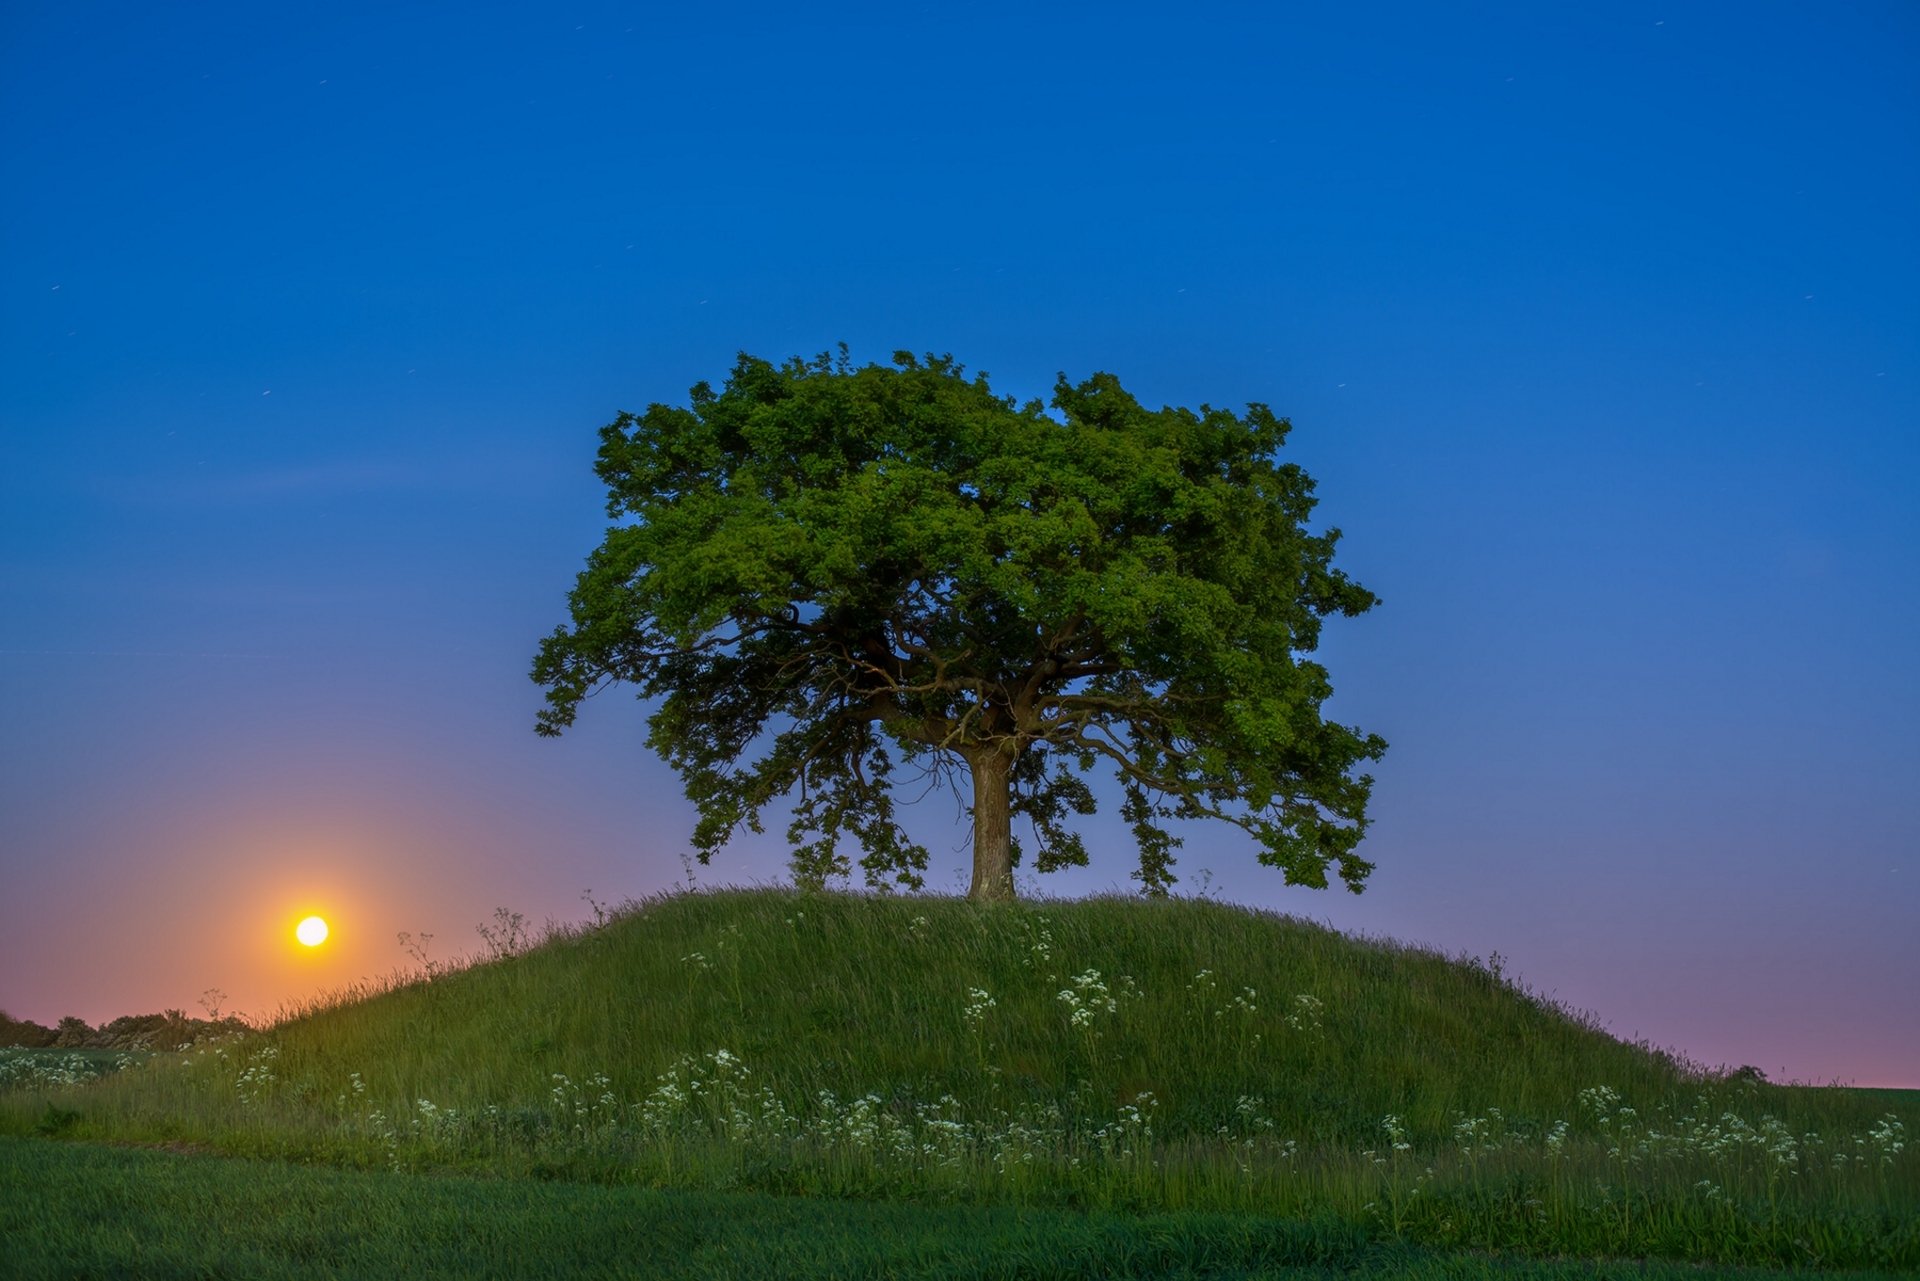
(1149,1056)
(74,1211)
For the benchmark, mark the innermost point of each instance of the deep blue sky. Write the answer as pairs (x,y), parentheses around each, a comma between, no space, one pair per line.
(1597,327)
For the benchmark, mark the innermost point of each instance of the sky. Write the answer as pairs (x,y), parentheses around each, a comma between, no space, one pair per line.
(1596,325)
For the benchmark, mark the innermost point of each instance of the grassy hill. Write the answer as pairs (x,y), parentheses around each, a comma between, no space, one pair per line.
(854,994)
(1140,1054)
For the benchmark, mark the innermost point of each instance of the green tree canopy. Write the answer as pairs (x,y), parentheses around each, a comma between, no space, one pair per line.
(828,575)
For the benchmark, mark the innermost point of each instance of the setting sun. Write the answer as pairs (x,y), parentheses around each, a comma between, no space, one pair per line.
(312,931)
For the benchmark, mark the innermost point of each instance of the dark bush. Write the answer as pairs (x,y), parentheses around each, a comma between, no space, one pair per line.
(72,1034)
(24,1033)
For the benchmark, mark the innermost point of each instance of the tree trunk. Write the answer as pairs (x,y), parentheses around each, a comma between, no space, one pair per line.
(992,826)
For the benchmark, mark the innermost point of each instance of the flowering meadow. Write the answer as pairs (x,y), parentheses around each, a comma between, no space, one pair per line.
(1113,1055)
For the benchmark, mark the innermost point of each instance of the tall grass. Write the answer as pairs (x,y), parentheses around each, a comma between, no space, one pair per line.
(1165,1055)
(77,1210)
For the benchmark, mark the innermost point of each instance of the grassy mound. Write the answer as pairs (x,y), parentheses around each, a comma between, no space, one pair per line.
(1211,1004)
(1154,1054)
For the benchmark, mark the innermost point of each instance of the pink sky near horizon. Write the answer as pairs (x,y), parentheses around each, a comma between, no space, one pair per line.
(219,912)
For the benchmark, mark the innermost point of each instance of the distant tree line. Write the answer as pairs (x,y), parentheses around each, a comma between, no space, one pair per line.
(168,1030)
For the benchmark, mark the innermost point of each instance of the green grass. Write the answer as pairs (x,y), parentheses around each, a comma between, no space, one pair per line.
(1116,1055)
(82,1211)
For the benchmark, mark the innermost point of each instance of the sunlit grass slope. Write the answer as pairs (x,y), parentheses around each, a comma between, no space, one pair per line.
(853,994)
(1157,1054)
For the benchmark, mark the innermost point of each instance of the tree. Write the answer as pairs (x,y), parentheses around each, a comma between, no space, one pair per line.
(24,1032)
(827,573)
(72,1033)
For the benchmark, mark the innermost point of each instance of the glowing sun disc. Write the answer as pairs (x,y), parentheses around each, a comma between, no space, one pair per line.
(312,931)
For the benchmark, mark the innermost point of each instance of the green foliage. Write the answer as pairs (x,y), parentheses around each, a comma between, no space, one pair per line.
(72,1033)
(24,1032)
(168,1030)
(825,573)
(1155,1056)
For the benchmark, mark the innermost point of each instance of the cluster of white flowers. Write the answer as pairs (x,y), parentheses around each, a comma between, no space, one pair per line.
(865,1124)
(1631,1139)
(932,1134)
(257,1078)
(1627,1139)
(1305,1015)
(1487,1133)
(1396,1132)
(36,1069)
(588,1108)
(1087,999)
(1128,1134)
(714,1093)
(1252,1112)
(1247,1002)
(380,1127)
(711,1089)
(1254,1133)
(1020,1140)
(435,1122)
(979,1001)
(1886,1139)
(357,1086)
(1040,940)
